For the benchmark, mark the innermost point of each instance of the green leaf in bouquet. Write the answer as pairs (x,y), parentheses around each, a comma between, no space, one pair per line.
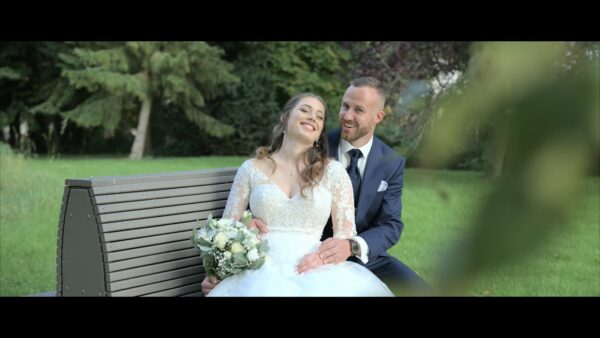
(209,265)
(257,263)
(246,217)
(201,243)
(223,274)
(195,231)
(210,227)
(239,237)
(197,225)
(263,246)
(239,260)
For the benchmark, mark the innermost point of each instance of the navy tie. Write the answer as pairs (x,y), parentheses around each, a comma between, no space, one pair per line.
(354,173)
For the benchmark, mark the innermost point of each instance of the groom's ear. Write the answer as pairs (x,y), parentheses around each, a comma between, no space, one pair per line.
(379,116)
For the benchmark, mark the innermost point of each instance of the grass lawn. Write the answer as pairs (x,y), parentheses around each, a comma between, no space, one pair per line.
(31,192)
(567,265)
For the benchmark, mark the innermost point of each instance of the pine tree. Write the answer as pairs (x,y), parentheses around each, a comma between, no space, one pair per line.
(28,74)
(109,80)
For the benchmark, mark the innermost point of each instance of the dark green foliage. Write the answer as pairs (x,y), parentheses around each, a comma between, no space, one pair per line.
(115,77)
(28,75)
(271,73)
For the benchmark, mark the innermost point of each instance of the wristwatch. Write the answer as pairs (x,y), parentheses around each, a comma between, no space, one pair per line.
(354,247)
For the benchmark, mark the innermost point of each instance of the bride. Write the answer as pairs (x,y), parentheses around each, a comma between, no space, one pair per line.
(293,187)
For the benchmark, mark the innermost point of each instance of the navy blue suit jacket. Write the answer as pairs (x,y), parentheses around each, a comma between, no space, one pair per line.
(378,214)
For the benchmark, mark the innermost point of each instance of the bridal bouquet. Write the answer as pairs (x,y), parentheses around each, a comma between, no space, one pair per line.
(228,247)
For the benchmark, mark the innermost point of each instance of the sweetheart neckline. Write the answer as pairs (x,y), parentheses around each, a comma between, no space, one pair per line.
(275,184)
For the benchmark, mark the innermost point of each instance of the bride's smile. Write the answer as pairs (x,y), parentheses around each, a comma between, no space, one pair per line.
(306,120)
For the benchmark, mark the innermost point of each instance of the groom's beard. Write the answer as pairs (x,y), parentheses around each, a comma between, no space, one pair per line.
(354,133)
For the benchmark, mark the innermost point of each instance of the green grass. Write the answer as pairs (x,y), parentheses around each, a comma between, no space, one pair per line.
(30,197)
(31,192)
(568,264)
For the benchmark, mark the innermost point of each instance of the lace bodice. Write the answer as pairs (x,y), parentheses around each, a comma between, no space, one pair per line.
(307,215)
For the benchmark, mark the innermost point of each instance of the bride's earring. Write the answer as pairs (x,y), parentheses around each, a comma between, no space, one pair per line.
(316,144)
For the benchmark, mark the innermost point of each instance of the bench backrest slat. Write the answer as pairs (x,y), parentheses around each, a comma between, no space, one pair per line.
(152,194)
(146,241)
(162,211)
(136,187)
(153,269)
(160,286)
(151,279)
(162,220)
(146,232)
(182,291)
(150,259)
(145,251)
(161,201)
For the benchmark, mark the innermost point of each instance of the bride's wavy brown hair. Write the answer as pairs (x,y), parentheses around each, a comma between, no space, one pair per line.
(315,158)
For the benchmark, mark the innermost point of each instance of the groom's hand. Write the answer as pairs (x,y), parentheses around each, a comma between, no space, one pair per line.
(334,250)
(208,284)
(259,224)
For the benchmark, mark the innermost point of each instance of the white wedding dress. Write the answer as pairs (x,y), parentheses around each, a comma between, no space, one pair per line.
(295,226)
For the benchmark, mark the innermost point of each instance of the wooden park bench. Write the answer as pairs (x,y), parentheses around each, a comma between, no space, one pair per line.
(131,235)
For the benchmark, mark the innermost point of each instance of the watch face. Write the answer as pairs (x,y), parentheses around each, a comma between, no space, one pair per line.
(354,247)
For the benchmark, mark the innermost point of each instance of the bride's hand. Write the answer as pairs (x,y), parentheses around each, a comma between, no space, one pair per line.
(309,262)
(260,225)
(208,284)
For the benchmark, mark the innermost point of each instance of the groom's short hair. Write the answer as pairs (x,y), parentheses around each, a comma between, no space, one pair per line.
(369,81)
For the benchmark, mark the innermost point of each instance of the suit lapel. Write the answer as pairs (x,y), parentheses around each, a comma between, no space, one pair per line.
(371,178)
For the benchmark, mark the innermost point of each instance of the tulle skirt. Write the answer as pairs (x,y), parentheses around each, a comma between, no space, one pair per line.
(278,278)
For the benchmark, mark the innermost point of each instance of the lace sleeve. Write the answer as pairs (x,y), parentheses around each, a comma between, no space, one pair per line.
(237,202)
(342,203)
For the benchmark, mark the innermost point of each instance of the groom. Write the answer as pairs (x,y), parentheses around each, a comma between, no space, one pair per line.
(376,172)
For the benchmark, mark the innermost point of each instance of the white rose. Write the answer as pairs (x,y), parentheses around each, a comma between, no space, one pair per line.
(251,242)
(232,233)
(236,247)
(223,222)
(252,255)
(220,240)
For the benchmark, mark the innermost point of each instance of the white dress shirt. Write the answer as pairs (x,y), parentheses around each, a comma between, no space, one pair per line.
(343,149)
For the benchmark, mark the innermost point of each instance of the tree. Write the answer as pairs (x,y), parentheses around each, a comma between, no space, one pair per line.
(398,63)
(26,76)
(407,71)
(272,72)
(110,80)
